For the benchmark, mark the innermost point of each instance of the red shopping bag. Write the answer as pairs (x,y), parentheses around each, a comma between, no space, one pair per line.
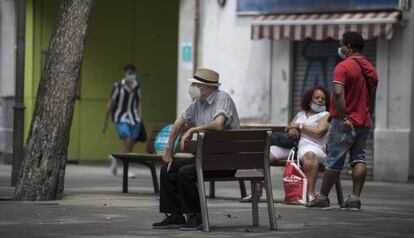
(294,181)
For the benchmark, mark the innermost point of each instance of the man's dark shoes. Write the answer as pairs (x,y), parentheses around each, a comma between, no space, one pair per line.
(319,202)
(352,204)
(170,222)
(193,223)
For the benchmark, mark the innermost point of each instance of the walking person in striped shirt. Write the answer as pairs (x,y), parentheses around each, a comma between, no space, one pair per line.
(124,104)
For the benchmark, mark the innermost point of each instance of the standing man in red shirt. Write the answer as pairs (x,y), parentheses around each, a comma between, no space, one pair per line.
(352,104)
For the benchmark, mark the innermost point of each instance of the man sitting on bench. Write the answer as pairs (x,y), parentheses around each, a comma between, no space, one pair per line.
(212,109)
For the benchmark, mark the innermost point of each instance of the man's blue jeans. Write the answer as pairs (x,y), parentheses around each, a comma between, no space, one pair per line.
(340,141)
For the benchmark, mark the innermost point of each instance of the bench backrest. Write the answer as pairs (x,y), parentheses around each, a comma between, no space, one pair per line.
(232,150)
(156,128)
(263,127)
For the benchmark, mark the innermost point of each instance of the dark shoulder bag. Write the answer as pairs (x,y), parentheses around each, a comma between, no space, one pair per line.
(282,139)
(142,133)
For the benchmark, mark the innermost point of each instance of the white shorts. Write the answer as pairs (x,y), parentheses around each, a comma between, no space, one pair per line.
(279,152)
(320,154)
(282,153)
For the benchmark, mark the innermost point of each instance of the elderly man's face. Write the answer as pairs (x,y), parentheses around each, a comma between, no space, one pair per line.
(201,86)
(205,90)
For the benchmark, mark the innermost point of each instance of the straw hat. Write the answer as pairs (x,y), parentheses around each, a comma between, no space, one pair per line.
(206,76)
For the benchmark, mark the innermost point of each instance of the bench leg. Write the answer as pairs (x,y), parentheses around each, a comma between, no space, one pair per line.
(125,177)
(154,177)
(269,199)
(242,189)
(202,196)
(212,192)
(338,188)
(255,204)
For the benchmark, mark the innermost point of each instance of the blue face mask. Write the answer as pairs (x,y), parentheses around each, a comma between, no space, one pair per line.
(317,108)
(131,77)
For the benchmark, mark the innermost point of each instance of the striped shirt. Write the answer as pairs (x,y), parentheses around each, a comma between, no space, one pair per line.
(202,112)
(125,103)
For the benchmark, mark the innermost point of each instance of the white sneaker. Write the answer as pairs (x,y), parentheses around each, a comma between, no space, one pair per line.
(131,174)
(113,166)
(311,197)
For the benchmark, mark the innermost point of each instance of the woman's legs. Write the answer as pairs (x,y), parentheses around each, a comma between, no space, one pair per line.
(276,153)
(311,168)
(272,158)
(259,186)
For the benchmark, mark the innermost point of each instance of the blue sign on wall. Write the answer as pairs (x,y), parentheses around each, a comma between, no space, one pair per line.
(186,52)
(307,6)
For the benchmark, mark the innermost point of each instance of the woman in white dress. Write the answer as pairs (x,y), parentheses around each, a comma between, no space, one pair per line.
(311,127)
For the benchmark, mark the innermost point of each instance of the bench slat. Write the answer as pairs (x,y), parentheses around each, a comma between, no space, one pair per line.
(264,127)
(216,136)
(233,161)
(136,157)
(233,146)
(255,178)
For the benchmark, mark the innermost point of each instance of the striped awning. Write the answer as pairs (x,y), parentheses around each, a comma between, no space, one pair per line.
(322,26)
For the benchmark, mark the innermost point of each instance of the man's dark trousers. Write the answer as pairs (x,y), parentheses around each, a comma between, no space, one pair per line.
(178,192)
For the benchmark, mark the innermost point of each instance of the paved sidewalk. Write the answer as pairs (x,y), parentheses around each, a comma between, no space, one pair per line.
(93,206)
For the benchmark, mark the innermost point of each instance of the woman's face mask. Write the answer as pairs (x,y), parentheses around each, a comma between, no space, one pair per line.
(316,108)
(318,103)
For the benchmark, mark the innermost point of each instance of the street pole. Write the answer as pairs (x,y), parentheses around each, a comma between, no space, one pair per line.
(18,120)
(196,34)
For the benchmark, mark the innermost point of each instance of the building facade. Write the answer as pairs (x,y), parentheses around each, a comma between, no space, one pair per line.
(7,75)
(120,32)
(269,52)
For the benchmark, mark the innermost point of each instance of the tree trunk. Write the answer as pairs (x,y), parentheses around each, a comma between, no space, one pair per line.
(42,172)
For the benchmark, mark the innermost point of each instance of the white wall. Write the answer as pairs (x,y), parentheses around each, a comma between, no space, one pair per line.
(393,139)
(185,36)
(243,64)
(7,47)
(282,68)
(256,73)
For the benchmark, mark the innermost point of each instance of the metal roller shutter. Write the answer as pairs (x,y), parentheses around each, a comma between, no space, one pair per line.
(314,62)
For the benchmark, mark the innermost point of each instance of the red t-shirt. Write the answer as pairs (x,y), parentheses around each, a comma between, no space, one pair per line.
(349,74)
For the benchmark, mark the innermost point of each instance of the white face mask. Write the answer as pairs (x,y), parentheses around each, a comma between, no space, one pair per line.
(317,108)
(131,77)
(342,55)
(195,92)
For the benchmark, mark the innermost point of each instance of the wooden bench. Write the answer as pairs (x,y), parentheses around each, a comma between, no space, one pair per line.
(149,160)
(231,151)
(278,163)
